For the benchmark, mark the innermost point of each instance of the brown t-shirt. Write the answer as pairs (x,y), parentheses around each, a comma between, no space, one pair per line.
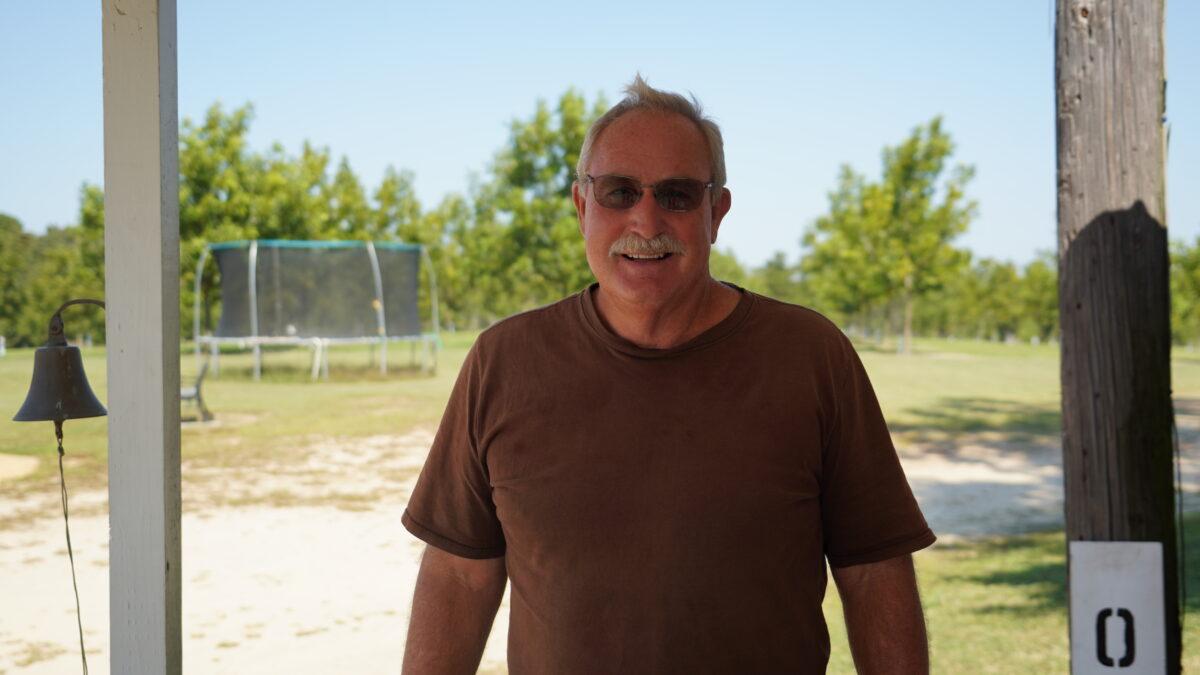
(666,510)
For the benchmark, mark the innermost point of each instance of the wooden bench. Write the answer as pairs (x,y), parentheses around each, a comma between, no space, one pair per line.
(193,393)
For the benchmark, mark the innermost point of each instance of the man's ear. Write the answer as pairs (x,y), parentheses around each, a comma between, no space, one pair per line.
(580,203)
(720,207)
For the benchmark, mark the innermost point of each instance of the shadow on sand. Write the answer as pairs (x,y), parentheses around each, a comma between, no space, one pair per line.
(989,466)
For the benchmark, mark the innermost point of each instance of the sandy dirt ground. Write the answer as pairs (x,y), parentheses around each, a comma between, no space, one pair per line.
(305,567)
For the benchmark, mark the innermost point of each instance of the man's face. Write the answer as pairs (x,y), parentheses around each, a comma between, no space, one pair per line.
(650,146)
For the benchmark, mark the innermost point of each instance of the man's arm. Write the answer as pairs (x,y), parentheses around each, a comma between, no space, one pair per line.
(453,608)
(883,616)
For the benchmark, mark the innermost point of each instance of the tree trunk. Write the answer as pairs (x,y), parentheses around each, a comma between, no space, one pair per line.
(1113,288)
(908,318)
(908,313)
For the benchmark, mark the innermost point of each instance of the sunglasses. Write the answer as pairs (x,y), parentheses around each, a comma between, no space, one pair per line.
(672,194)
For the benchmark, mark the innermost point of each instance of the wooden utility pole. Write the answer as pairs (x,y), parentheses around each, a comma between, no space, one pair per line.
(1114,303)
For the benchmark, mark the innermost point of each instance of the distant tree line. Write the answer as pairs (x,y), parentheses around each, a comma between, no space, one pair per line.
(881,261)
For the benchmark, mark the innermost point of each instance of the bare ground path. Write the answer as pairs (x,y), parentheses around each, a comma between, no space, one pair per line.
(978,484)
(302,566)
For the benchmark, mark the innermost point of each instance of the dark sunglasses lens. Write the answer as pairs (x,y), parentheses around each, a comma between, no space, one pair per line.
(679,194)
(616,192)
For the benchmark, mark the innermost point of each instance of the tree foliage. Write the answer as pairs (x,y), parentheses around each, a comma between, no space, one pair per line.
(888,243)
(1185,292)
(14,273)
(881,259)
(524,213)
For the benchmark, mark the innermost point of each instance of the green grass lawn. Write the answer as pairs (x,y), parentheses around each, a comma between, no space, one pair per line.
(282,411)
(992,606)
(946,387)
(1000,605)
(949,386)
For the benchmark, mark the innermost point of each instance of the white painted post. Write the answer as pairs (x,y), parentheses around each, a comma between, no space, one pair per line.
(141,243)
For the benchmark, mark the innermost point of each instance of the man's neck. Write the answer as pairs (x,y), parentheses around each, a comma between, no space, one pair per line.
(672,323)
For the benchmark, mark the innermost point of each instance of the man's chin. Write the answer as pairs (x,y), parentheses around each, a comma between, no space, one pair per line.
(640,288)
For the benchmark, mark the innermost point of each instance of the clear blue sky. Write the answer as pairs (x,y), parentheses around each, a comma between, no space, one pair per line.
(799,88)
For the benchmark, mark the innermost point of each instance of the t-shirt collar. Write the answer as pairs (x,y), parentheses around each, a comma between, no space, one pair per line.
(721,330)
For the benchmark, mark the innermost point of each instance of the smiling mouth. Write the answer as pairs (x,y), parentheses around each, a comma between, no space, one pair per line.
(645,258)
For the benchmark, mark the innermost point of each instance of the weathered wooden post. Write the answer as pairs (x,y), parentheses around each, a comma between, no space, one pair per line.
(1114,309)
(141,256)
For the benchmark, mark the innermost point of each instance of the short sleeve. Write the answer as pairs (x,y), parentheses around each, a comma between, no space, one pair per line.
(868,511)
(451,506)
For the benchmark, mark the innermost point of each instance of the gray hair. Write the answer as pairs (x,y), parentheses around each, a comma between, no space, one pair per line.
(641,96)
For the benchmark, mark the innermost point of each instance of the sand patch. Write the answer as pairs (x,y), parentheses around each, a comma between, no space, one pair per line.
(13,467)
(299,564)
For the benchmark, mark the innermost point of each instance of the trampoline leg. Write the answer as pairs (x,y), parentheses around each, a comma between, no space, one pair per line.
(383,356)
(216,359)
(431,353)
(325,358)
(257,362)
(316,363)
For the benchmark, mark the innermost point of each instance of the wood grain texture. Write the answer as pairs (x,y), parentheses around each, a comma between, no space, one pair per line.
(141,249)
(1113,280)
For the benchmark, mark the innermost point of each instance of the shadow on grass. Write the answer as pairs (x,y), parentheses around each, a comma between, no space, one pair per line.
(1020,421)
(874,347)
(1044,586)
(1039,570)
(1191,560)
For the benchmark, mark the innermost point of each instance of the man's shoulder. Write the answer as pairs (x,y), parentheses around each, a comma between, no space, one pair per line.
(793,336)
(794,320)
(531,325)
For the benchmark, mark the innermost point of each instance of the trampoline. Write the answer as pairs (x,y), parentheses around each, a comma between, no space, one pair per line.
(317,294)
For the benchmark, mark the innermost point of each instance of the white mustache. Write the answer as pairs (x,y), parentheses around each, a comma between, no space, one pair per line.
(632,244)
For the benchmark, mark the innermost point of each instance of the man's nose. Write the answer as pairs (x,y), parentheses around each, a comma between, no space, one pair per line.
(646,217)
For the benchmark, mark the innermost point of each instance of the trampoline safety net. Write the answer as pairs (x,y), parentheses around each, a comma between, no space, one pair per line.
(318,289)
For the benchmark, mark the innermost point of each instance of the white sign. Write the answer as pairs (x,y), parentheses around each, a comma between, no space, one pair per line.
(1117,614)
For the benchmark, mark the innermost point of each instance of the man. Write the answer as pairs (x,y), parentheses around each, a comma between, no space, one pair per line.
(662,463)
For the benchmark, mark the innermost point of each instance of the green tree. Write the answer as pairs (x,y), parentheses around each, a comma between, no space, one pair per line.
(15,246)
(777,279)
(350,215)
(218,177)
(724,266)
(1039,299)
(997,298)
(842,247)
(442,230)
(55,273)
(1185,292)
(890,242)
(524,213)
(397,214)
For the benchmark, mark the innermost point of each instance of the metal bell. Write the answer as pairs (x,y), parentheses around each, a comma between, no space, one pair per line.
(59,390)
